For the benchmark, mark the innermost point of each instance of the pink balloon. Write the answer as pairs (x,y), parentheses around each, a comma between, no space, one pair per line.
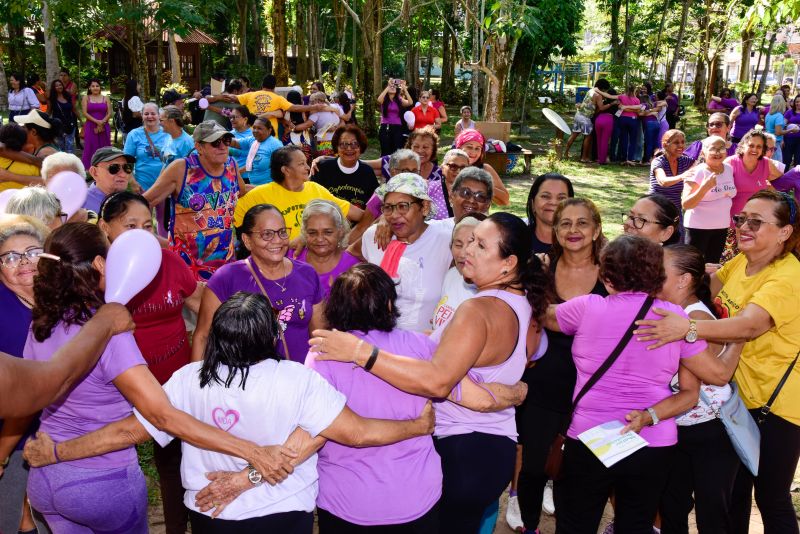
(5,196)
(202,103)
(70,188)
(133,261)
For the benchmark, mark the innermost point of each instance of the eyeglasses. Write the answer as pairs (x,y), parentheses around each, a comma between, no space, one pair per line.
(224,140)
(401,207)
(715,124)
(353,144)
(637,222)
(10,260)
(269,235)
(114,168)
(466,193)
(455,167)
(753,224)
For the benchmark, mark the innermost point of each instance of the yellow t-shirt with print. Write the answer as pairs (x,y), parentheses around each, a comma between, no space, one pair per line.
(290,203)
(263,101)
(765,359)
(17,167)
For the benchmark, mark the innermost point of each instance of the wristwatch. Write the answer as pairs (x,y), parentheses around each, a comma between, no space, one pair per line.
(253,475)
(691,335)
(653,416)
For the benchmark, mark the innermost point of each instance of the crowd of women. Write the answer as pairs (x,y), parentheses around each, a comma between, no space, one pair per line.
(360,339)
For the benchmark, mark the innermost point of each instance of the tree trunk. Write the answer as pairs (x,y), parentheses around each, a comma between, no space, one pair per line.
(658,40)
(370,41)
(475,79)
(3,84)
(52,64)
(258,45)
(428,64)
(715,73)
(617,53)
(758,63)
(317,42)
(747,47)
(700,82)
(17,53)
(500,64)
(762,82)
(280,63)
(340,59)
(679,41)
(241,6)
(174,58)
(446,86)
(302,44)
(700,76)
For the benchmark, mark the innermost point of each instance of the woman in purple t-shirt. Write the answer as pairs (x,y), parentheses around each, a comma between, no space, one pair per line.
(791,140)
(392,100)
(745,117)
(634,391)
(324,231)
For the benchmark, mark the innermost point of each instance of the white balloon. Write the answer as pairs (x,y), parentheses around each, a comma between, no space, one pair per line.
(410,119)
(71,189)
(132,262)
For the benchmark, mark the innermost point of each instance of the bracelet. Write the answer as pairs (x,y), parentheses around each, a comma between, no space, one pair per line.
(55,452)
(373,357)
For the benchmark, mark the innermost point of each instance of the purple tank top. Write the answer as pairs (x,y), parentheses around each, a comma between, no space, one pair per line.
(745,122)
(452,419)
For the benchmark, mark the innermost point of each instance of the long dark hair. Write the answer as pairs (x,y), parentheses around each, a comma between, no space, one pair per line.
(68,289)
(295,98)
(20,78)
(243,333)
(688,259)
(363,299)
(530,276)
(131,90)
(53,96)
(667,215)
(396,99)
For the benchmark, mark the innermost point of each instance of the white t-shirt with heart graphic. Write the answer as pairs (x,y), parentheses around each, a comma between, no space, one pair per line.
(278,397)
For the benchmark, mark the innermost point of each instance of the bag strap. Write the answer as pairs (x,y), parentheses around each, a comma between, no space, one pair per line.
(249,263)
(153,150)
(768,406)
(648,302)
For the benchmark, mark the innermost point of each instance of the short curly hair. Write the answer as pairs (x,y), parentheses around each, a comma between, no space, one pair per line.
(633,263)
(353,130)
(428,132)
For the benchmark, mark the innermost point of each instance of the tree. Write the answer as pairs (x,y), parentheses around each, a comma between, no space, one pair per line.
(676,56)
(280,64)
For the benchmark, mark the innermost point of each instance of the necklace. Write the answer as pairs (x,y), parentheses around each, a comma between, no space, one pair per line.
(282,286)
(25,301)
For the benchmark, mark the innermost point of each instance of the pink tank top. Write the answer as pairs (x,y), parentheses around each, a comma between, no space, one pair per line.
(747,183)
(452,419)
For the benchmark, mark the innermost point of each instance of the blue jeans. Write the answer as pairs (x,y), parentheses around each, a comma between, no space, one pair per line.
(66,142)
(651,129)
(628,138)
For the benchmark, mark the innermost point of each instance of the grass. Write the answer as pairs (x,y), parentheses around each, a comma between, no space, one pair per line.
(148,466)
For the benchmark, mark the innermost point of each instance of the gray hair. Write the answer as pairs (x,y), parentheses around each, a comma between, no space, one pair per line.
(27,226)
(61,161)
(172,112)
(466,221)
(36,202)
(151,104)
(478,175)
(319,96)
(331,209)
(770,136)
(401,155)
(455,152)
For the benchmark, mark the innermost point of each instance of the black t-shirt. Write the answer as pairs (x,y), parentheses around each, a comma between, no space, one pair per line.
(537,245)
(551,381)
(356,188)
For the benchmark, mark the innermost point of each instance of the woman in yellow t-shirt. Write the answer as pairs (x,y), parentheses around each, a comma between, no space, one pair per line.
(756,296)
(16,174)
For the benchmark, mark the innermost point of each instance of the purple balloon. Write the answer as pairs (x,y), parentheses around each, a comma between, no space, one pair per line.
(5,196)
(70,188)
(133,261)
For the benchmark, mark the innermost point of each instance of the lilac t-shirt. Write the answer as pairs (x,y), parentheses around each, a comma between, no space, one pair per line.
(95,401)
(638,379)
(295,305)
(714,209)
(326,279)
(94,198)
(725,104)
(373,485)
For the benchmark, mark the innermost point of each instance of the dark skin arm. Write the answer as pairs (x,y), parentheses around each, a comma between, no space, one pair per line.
(28,386)
(22,157)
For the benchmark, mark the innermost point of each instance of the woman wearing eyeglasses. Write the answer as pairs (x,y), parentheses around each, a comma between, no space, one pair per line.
(21,242)
(347,177)
(755,296)
(292,286)
(204,189)
(654,217)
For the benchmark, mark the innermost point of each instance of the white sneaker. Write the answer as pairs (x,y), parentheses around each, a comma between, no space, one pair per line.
(513,514)
(548,506)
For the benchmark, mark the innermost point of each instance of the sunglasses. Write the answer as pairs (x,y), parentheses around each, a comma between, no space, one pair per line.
(114,168)
(753,224)
(225,140)
(466,193)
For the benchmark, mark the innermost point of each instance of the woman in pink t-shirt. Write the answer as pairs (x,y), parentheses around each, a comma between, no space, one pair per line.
(629,126)
(631,268)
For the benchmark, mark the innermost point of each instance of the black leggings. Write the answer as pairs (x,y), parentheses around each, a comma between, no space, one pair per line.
(705,463)
(391,138)
(285,523)
(710,242)
(540,426)
(780,450)
(582,492)
(426,524)
(476,468)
